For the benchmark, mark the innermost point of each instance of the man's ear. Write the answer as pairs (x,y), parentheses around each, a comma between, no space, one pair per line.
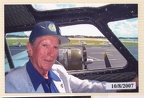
(29,49)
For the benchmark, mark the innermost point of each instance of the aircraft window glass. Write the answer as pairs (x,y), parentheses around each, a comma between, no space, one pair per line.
(98,47)
(17,45)
(44,7)
(7,67)
(96,44)
(127,32)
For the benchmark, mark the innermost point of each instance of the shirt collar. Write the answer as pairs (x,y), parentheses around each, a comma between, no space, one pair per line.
(53,76)
(37,78)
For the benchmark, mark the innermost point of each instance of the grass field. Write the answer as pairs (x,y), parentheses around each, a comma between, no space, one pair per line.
(73,42)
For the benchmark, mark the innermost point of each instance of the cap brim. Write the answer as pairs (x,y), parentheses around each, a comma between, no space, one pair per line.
(63,40)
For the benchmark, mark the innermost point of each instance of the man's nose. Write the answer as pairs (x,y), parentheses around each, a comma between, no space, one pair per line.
(51,51)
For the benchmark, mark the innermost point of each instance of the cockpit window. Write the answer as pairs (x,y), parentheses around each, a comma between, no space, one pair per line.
(97,45)
(17,45)
(127,32)
(99,49)
(45,7)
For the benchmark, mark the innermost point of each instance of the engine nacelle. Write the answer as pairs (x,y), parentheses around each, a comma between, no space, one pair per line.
(71,58)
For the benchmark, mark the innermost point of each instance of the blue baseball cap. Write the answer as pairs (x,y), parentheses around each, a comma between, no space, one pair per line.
(47,28)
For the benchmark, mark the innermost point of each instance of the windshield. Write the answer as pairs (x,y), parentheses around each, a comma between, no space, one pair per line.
(127,32)
(44,7)
(96,43)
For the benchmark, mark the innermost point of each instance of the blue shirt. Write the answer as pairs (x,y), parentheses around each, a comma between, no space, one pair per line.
(37,79)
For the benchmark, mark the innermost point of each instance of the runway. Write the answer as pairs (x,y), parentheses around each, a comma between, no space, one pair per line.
(95,53)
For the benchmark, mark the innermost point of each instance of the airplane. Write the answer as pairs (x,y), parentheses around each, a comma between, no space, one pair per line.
(78,59)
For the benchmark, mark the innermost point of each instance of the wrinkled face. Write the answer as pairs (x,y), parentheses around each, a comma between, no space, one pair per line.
(43,52)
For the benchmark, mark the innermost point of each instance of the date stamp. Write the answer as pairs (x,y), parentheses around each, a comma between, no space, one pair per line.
(120,85)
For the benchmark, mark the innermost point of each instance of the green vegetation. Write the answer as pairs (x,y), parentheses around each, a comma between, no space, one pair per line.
(73,42)
(15,41)
(88,41)
(130,43)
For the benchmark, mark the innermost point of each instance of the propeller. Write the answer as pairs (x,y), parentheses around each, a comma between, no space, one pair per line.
(84,53)
(107,62)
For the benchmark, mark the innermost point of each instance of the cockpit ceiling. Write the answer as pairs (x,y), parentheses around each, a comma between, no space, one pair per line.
(23,17)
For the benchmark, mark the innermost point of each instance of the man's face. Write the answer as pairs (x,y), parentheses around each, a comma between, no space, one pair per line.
(44,52)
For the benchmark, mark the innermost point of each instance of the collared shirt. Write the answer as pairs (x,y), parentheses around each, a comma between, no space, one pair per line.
(37,78)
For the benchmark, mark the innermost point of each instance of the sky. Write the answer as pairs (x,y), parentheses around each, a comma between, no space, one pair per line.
(43,7)
(84,29)
(128,28)
(125,28)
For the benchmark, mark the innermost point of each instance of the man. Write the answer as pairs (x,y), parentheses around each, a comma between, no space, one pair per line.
(40,74)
